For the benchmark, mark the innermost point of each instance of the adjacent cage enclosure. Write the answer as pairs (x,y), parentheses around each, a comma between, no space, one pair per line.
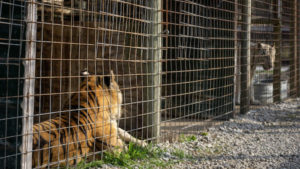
(180,65)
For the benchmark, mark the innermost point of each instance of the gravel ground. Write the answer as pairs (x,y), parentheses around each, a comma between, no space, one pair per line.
(268,137)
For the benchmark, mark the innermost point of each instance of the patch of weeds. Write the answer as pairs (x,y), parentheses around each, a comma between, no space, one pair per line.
(215,150)
(189,138)
(292,116)
(157,163)
(203,134)
(218,149)
(178,153)
(83,165)
(140,157)
(181,138)
(134,156)
(133,153)
(181,155)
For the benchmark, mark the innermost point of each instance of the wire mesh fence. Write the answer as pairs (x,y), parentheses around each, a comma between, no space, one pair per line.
(81,77)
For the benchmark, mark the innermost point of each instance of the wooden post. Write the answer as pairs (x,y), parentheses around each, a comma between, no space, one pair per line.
(236,60)
(293,55)
(245,58)
(278,43)
(296,57)
(155,69)
(28,91)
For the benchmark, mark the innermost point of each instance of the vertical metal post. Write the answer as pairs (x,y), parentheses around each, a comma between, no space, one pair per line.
(155,70)
(245,58)
(278,44)
(28,92)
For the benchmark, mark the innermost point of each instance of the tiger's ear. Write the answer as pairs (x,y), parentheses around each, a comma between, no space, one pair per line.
(107,80)
(112,75)
(102,80)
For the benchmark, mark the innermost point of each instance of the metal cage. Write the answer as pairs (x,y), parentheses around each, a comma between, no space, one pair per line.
(180,66)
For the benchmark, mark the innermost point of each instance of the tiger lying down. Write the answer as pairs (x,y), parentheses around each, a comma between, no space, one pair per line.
(91,126)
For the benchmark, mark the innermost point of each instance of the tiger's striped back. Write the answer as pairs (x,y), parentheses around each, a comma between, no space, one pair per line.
(87,128)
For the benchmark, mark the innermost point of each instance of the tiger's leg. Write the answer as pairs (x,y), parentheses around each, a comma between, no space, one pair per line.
(107,137)
(124,135)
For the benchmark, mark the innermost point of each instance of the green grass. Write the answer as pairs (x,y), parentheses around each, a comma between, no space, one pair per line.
(83,165)
(140,157)
(292,116)
(134,155)
(212,151)
(203,134)
(179,153)
(189,138)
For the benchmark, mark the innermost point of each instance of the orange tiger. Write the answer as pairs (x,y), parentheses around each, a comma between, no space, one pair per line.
(90,126)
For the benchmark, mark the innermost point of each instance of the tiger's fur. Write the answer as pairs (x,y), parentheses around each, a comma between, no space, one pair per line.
(90,126)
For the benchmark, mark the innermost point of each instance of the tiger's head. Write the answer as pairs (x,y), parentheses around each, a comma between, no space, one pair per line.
(267,55)
(106,87)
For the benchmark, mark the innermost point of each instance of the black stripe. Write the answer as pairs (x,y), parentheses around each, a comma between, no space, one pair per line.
(43,127)
(79,143)
(89,120)
(42,157)
(57,127)
(77,119)
(95,99)
(92,98)
(82,129)
(85,125)
(62,136)
(102,143)
(42,141)
(51,155)
(86,115)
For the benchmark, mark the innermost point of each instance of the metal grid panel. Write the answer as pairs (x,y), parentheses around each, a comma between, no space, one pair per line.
(97,37)
(266,46)
(12,47)
(272,59)
(198,63)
